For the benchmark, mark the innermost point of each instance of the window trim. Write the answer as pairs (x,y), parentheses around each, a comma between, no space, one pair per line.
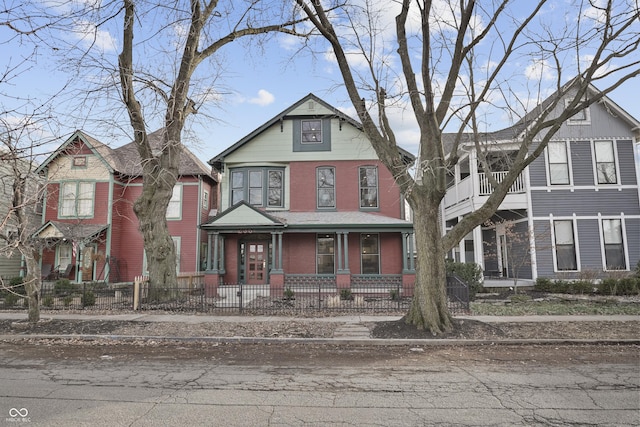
(79,162)
(576,251)
(623,243)
(614,152)
(75,214)
(548,163)
(265,185)
(333,254)
(205,199)
(311,132)
(333,188)
(180,197)
(360,188)
(377,254)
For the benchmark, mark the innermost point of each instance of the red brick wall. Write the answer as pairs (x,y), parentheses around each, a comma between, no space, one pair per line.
(303,187)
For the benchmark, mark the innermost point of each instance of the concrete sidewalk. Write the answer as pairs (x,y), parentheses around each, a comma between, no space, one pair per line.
(355,318)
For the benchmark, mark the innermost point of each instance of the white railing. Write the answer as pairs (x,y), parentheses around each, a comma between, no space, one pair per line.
(486,188)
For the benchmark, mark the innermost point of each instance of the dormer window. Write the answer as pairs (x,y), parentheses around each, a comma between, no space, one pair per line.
(311,132)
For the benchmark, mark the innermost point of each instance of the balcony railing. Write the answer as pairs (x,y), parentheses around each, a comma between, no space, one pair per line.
(486,188)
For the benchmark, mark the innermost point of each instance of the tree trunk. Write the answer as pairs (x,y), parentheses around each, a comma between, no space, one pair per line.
(151,210)
(429,308)
(32,284)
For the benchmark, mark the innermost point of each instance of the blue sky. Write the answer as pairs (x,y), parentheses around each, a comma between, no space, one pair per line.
(258,85)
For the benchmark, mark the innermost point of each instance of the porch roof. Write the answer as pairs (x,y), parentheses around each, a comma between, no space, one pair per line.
(310,221)
(69,231)
(340,219)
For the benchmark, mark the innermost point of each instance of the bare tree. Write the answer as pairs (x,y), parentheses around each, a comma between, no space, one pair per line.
(20,215)
(160,169)
(449,62)
(163,77)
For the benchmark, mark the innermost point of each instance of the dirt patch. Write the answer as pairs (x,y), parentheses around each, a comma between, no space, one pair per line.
(476,330)
(297,328)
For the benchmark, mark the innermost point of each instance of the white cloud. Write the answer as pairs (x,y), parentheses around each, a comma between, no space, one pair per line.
(263,99)
(539,70)
(88,33)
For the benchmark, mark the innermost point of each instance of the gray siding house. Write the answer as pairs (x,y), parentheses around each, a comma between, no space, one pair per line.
(10,258)
(573,213)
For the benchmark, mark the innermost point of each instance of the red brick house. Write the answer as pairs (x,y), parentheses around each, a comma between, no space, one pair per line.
(305,199)
(88,215)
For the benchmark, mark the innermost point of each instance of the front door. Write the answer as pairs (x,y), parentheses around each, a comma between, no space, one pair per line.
(87,263)
(256,262)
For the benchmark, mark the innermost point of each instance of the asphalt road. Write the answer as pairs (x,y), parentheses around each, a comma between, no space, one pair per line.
(111,384)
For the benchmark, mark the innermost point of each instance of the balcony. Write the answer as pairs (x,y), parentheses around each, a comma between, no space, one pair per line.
(471,192)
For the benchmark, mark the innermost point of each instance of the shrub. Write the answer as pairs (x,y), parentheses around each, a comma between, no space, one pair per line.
(580,287)
(88,299)
(543,285)
(346,295)
(47,301)
(625,286)
(10,299)
(394,294)
(289,294)
(16,284)
(66,301)
(64,287)
(469,273)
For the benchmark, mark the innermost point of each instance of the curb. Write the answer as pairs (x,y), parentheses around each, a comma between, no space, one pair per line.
(327,341)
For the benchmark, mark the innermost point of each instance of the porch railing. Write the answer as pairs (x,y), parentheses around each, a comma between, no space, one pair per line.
(486,188)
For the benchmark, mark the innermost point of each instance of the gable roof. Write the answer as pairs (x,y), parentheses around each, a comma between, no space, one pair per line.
(516,130)
(126,159)
(219,159)
(243,215)
(71,231)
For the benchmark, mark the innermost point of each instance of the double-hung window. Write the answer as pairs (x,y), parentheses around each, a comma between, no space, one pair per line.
(262,187)
(613,244)
(326,186)
(558,163)
(76,199)
(565,246)
(368,187)
(311,132)
(605,160)
(370,254)
(325,254)
(174,210)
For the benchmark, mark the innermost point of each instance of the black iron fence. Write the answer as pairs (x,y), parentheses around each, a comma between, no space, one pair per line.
(302,298)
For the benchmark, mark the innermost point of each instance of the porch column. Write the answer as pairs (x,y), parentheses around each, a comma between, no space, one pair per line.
(280,250)
(275,250)
(276,275)
(216,237)
(478,250)
(208,262)
(343,275)
(276,244)
(408,263)
(405,252)
(338,238)
(346,251)
(412,249)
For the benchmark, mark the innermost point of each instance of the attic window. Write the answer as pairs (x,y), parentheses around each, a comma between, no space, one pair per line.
(311,132)
(80,162)
(582,117)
